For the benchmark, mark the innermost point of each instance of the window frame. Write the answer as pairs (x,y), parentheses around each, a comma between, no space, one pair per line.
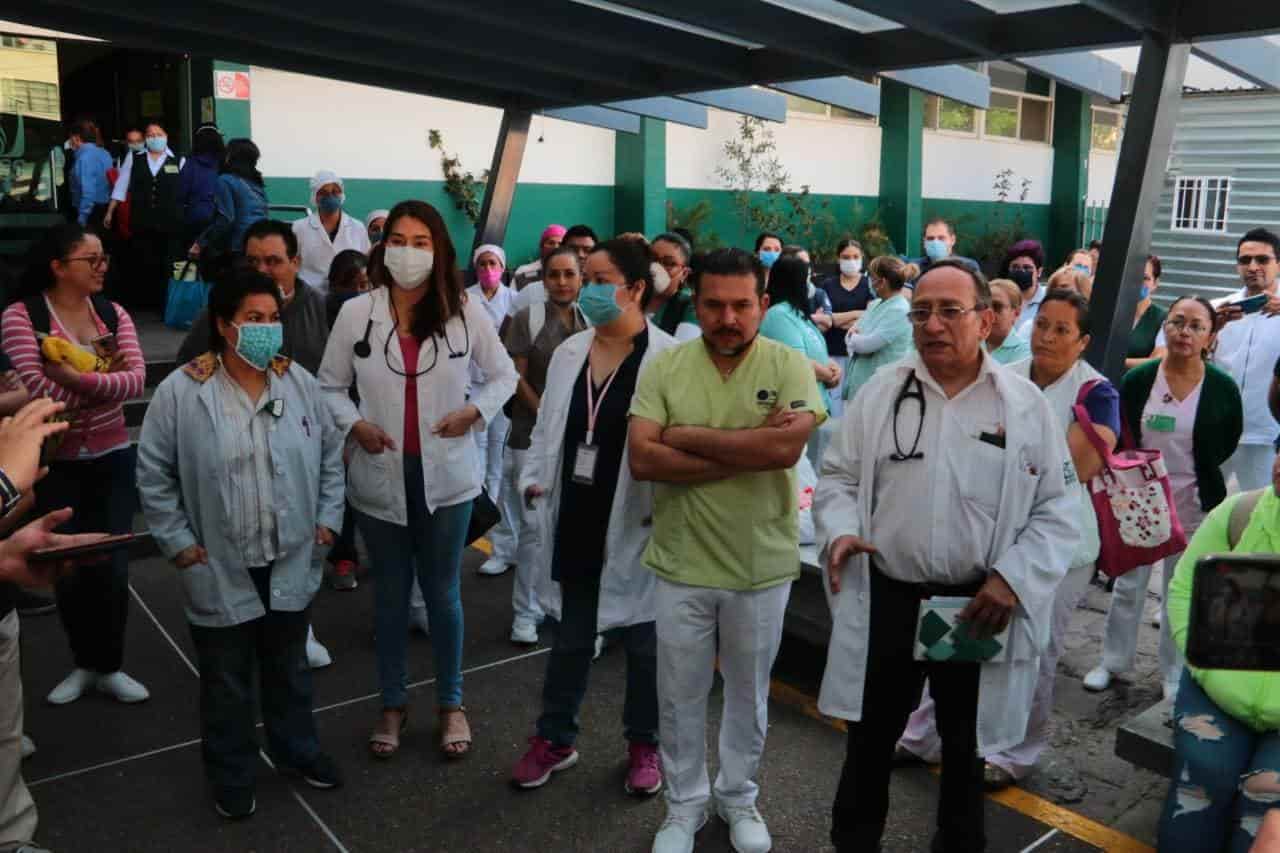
(980,118)
(1120,126)
(827,114)
(1199,184)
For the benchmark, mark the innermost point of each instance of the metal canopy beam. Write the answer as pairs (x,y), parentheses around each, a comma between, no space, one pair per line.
(1254,59)
(500,191)
(950,81)
(667,109)
(1084,71)
(1144,151)
(1228,19)
(1139,15)
(843,92)
(746,100)
(598,117)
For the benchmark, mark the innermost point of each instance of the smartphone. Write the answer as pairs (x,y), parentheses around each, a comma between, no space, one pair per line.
(78,552)
(49,447)
(1253,304)
(105,346)
(1235,612)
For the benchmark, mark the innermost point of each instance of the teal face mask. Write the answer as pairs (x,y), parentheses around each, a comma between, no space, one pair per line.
(258,343)
(599,303)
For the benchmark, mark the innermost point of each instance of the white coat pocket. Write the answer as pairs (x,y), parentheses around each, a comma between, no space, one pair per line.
(979,468)
(369,480)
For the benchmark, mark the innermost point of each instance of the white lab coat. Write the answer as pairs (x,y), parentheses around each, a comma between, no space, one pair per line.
(626,585)
(451,466)
(318,251)
(1035,535)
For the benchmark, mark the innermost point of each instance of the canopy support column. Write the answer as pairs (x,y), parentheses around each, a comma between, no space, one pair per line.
(500,191)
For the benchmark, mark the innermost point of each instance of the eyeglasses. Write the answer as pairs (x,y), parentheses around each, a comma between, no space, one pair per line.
(1178,324)
(947,313)
(94,261)
(1260,260)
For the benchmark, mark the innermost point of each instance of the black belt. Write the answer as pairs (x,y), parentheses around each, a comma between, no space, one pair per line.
(935,590)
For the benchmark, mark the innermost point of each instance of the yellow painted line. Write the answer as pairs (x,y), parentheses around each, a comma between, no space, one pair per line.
(1062,819)
(482,545)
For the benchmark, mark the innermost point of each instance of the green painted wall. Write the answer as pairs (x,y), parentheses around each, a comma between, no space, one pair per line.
(848,212)
(1072,136)
(901,160)
(535,206)
(640,176)
(232,116)
(975,218)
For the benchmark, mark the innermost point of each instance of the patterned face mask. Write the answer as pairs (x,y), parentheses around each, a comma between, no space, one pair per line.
(258,343)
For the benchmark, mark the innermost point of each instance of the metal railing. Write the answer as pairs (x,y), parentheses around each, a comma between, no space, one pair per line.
(1093,220)
(288,208)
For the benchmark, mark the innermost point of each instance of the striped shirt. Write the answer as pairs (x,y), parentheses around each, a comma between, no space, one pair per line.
(95,403)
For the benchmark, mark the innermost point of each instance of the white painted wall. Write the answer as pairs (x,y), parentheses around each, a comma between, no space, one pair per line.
(964,168)
(832,156)
(1102,175)
(305,123)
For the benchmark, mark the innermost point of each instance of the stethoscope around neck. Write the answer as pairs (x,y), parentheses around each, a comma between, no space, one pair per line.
(907,392)
(363,349)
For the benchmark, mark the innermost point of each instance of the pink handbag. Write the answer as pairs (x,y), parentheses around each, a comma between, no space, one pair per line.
(1133,501)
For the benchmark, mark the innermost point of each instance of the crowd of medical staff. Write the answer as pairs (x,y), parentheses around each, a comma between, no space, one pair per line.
(658,430)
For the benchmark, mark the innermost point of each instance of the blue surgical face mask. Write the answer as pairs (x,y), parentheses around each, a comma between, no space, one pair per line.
(599,303)
(258,343)
(1084,268)
(1143,292)
(936,249)
(329,203)
(769,258)
(157,144)
(375,235)
(137,147)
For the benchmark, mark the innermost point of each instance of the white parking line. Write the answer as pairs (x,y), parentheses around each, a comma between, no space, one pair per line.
(1039,842)
(107,764)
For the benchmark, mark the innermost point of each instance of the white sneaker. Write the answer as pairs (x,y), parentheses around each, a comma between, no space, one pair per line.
(1097,679)
(493,566)
(524,632)
(1170,690)
(122,688)
(676,835)
(317,655)
(28,747)
(747,830)
(71,688)
(599,647)
(418,620)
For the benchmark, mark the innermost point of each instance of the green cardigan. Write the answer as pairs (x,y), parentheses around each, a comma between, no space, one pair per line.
(1215,434)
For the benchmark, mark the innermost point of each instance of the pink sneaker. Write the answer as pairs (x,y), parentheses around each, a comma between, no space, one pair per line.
(543,758)
(644,773)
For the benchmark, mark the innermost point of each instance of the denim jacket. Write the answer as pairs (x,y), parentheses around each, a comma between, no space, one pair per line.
(237,204)
(182,480)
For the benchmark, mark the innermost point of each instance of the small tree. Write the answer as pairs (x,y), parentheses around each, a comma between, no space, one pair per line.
(462,186)
(696,219)
(1005,226)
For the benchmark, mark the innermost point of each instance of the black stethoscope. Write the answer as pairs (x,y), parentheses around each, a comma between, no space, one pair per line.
(362,349)
(907,393)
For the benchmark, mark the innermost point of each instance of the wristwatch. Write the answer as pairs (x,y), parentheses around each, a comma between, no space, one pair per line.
(9,494)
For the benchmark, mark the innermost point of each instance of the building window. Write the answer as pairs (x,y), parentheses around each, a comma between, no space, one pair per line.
(30,98)
(1014,115)
(951,116)
(1107,125)
(1200,204)
(805,108)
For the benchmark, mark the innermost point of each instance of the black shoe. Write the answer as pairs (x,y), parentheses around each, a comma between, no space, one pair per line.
(29,603)
(235,803)
(321,773)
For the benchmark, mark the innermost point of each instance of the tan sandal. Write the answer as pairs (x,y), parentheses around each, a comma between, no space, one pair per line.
(454,731)
(390,741)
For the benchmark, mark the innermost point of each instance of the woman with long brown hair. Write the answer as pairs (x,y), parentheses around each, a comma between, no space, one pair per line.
(414,472)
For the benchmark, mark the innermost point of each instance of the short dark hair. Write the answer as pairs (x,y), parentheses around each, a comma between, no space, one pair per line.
(633,260)
(846,243)
(1156,267)
(789,284)
(230,291)
(208,140)
(273,228)
(765,235)
(687,235)
(1076,301)
(678,241)
(87,130)
(1200,300)
(580,231)
(981,290)
(345,264)
(55,244)
(1261,235)
(729,262)
(1096,244)
(242,157)
(792,249)
(1023,249)
(938,220)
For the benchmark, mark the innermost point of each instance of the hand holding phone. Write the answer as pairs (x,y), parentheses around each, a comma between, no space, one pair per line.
(22,437)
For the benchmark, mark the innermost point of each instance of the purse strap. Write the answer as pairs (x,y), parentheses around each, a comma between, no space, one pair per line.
(1086,423)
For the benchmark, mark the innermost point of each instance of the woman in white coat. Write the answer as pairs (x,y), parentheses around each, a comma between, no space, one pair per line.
(407,346)
(595,517)
(327,230)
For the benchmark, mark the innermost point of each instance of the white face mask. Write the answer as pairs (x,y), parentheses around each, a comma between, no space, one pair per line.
(850,267)
(661,278)
(409,267)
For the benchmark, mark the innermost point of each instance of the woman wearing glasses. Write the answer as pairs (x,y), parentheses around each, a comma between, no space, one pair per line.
(1191,412)
(69,342)
(415,470)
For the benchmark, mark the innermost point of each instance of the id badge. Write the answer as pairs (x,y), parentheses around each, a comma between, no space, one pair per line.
(1162,423)
(584,464)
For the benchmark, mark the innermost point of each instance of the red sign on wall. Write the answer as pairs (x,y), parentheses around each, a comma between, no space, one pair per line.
(231,85)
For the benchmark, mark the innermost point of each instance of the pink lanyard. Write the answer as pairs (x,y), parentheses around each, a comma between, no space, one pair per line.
(593,405)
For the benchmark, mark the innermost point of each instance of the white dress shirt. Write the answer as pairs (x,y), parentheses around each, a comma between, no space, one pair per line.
(247,453)
(121,190)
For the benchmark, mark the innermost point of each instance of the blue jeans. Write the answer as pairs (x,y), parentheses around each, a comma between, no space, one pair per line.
(275,646)
(433,541)
(569,664)
(1226,776)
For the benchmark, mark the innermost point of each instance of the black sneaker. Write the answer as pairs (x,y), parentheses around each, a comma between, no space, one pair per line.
(29,603)
(235,803)
(321,773)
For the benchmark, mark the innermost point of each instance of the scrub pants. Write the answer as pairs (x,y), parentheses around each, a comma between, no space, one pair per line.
(921,734)
(1251,463)
(506,537)
(837,399)
(524,592)
(491,441)
(748,627)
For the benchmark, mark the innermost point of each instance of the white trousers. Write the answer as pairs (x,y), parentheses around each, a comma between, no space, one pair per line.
(492,440)
(1251,463)
(522,541)
(748,627)
(837,401)
(921,734)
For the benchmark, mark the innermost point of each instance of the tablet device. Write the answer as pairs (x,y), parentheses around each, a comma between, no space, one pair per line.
(80,552)
(1235,612)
